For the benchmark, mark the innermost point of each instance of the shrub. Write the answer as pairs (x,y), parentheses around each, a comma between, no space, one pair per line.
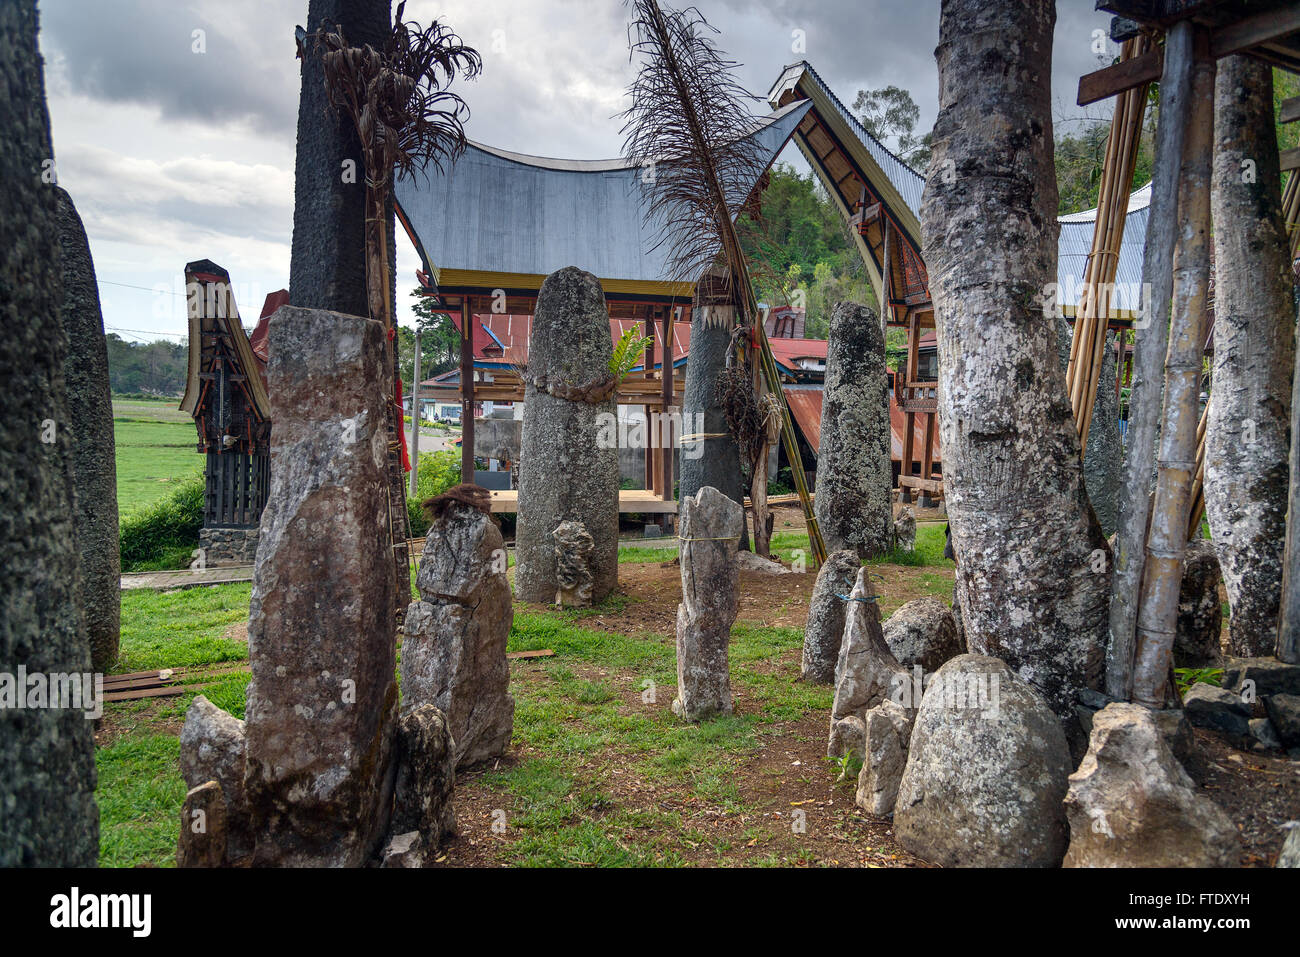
(163,534)
(439,471)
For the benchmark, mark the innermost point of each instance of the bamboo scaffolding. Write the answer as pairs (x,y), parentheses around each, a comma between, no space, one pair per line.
(1146,400)
(1087,346)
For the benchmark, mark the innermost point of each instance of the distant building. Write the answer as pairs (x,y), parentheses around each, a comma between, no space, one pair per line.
(225,392)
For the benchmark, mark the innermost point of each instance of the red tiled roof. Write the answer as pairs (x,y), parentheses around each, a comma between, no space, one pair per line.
(258,339)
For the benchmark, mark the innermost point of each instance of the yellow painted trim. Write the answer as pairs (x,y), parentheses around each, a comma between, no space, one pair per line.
(488,281)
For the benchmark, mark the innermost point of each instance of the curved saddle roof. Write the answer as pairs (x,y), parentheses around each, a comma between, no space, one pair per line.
(495,218)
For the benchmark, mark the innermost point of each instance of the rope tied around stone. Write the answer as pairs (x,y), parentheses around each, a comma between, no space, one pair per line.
(592,392)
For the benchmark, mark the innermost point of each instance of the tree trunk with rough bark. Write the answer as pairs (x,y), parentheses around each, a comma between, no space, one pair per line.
(1248,437)
(48,816)
(1034,574)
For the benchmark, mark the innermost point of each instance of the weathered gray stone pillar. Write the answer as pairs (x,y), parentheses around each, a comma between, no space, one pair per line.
(866,673)
(454,644)
(854,477)
(85,372)
(48,816)
(710,530)
(718,464)
(321,636)
(825,628)
(327,267)
(563,474)
(1104,454)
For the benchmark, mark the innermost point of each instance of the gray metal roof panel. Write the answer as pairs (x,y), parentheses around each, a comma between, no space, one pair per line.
(498,211)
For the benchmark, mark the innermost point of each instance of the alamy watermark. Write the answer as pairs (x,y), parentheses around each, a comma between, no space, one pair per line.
(80,691)
(665,430)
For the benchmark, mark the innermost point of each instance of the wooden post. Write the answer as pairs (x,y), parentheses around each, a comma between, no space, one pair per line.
(466,394)
(652,473)
(1146,396)
(415,417)
(669,398)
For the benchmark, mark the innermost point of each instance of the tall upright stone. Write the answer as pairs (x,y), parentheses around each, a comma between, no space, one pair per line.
(825,628)
(327,265)
(1104,453)
(717,463)
(48,815)
(454,642)
(710,531)
(321,635)
(866,672)
(854,476)
(85,372)
(564,476)
(1248,433)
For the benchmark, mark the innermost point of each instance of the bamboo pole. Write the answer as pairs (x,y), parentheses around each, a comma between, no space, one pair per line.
(1146,396)
(1167,541)
(1087,346)
(1197,511)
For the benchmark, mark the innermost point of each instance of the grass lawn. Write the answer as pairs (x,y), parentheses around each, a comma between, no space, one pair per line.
(599,773)
(155,445)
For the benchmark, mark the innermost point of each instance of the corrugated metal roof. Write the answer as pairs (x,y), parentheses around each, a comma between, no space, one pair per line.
(907,181)
(806,409)
(502,212)
(1076,242)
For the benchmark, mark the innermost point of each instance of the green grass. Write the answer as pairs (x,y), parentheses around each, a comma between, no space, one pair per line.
(181,628)
(793,547)
(588,705)
(151,455)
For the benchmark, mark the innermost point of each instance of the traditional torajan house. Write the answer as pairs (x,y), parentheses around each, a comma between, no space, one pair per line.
(225,391)
(485,258)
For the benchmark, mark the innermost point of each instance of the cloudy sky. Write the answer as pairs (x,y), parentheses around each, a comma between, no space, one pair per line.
(173,155)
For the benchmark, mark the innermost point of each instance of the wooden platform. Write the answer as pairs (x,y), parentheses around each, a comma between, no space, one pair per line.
(629,500)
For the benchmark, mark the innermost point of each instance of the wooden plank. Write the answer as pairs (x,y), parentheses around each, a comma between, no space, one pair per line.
(1120,77)
(1252,31)
(521,655)
(1291,159)
(1290,110)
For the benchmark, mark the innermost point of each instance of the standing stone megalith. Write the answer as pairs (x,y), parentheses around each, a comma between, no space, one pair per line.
(710,531)
(1248,432)
(85,372)
(710,455)
(327,265)
(321,636)
(866,672)
(825,628)
(854,477)
(564,476)
(48,816)
(454,644)
(1105,452)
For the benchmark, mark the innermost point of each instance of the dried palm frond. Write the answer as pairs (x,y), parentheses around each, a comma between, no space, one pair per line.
(689,129)
(397,96)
